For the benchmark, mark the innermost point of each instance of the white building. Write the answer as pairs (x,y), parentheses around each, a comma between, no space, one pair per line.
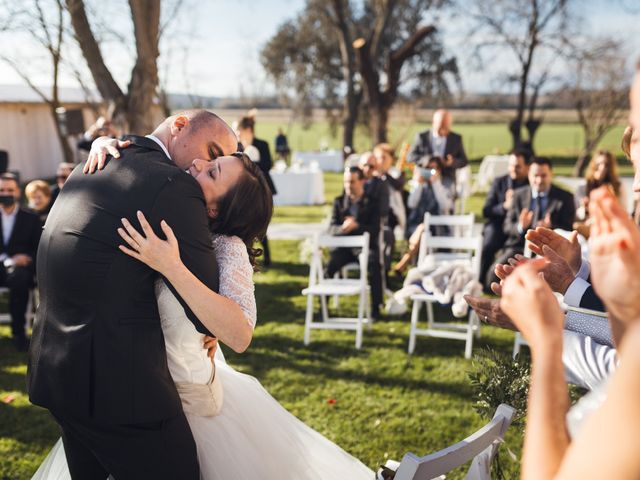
(27,129)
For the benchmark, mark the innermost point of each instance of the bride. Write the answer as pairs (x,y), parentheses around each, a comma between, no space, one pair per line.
(250,436)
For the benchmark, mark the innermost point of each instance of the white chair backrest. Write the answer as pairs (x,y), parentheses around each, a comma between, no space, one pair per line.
(469,248)
(482,445)
(462,227)
(338,241)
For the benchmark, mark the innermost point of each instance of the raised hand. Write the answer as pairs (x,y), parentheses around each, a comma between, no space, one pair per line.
(160,255)
(615,256)
(531,305)
(503,270)
(526,217)
(489,312)
(568,249)
(100,148)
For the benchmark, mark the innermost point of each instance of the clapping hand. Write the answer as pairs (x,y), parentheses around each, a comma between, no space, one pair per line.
(526,217)
(615,256)
(568,249)
(530,303)
(100,148)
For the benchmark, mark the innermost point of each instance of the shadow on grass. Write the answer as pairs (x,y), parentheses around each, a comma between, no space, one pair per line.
(326,360)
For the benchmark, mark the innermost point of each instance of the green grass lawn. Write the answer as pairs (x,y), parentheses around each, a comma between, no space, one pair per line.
(386,402)
(480,139)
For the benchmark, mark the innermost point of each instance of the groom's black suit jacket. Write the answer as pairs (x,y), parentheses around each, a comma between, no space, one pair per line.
(97,349)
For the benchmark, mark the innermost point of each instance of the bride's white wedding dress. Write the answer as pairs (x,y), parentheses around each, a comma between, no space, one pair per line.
(253,437)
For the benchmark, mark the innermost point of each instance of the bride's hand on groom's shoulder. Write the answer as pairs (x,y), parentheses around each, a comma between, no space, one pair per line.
(161,255)
(101,147)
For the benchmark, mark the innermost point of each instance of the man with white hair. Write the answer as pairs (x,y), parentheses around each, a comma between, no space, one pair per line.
(441,142)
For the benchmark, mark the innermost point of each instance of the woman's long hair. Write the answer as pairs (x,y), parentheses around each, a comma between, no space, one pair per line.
(246,209)
(611,176)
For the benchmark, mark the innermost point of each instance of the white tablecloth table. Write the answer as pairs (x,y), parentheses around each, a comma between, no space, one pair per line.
(329,161)
(298,188)
(492,166)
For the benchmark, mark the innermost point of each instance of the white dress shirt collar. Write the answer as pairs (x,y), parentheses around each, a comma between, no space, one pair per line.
(157,140)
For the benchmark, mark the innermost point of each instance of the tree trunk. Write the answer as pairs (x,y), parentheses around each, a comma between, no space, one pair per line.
(351,105)
(581,163)
(378,118)
(585,156)
(144,77)
(106,85)
(62,138)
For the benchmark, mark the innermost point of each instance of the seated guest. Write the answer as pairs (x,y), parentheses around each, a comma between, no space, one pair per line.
(63,172)
(540,204)
(432,193)
(21,230)
(441,142)
(394,179)
(354,213)
(38,194)
(602,170)
(496,206)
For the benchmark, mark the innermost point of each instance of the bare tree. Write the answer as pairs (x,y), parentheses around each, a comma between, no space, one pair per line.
(533,31)
(311,60)
(49,32)
(359,55)
(135,105)
(598,93)
(394,40)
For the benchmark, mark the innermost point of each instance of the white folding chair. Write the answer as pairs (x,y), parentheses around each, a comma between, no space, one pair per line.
(31,306)
(326,287)
(482,446)
(467,248)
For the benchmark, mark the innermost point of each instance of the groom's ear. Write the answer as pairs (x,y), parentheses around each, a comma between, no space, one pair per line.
(178,124)
(212,212)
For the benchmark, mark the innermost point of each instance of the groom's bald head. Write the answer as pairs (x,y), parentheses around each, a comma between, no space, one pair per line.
(195,134)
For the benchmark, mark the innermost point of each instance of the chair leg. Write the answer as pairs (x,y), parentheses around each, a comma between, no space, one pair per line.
(415,313)
(308,319)
(336,298)
(325,309)
(367,306)
(468,346)
(361,309)
(430,313)
(516,345)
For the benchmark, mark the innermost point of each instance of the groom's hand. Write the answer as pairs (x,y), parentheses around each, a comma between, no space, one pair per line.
(211,345)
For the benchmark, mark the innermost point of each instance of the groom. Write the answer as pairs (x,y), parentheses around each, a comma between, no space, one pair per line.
(97,359)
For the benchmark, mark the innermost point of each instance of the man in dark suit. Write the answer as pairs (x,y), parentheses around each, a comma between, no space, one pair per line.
(21,230)
(540,204)
(97,358)
(354,213)
(441,142)
(497,205)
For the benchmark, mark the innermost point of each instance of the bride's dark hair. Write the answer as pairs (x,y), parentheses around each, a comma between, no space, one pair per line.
(245,210)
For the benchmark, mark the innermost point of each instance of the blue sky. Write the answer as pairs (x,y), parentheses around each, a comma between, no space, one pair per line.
(214,46)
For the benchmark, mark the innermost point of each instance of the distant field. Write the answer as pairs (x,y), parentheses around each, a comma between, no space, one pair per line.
(480,139)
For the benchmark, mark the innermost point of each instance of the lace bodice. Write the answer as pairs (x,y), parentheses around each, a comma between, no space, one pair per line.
(186,357)
(236,274)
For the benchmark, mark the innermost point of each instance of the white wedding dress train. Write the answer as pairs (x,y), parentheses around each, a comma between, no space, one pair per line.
(253,437)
